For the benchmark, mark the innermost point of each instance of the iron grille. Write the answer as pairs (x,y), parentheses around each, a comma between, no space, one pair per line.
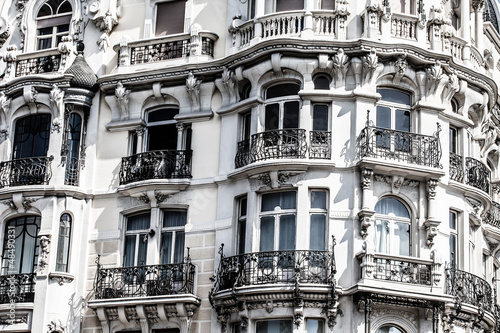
(46,64)
(17,288)
(26,171)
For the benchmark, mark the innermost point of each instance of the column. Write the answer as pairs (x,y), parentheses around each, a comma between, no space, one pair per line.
(478,11)
(140,139)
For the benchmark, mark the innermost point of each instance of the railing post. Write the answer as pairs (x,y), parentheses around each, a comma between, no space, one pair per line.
(124,52)
(10,58)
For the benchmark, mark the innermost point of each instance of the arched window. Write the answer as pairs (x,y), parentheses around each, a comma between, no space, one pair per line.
(282,106)
(63,243)
(322,82)
(392,227)
(32,136)
(74,133)
(393,114)
(389,329)
(53,21)
(20,250)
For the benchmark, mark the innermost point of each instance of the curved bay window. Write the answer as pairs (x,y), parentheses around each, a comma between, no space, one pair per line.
(392,227)
(53,22)
(63,243)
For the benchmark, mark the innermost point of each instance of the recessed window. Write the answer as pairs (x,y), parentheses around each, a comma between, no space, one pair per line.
(393,113)
(170,17)
(453,225)
(392,227)
(282,111)
(284,5)
(322,82)
(277,221)
(242,224)
(63,243)
(328,4)
(21,243)
(318,214)
(315,325)
(136,239)
(173,237)
(32,136)
(53,21)
(274,326)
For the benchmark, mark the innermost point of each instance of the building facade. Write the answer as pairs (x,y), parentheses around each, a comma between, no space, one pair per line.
(260,166)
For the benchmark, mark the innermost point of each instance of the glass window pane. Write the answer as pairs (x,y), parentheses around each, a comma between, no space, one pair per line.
(162,115)
(383,117)
(392,207)
(272,120)
(179,247)
(402,238)
(283,5)
(242,226)
(63,243)
(166,248)
(291,116)
(63,28)
(143,249)
(32,136)
(317,236)
(328,5)
(284,200)
(315,326)
(394,96)
(381,236)
(274,326)
(172,218)
(402,120)
(45,31)
(318,199)
(453,220)
(129,251)
(322,81)
(320,117)
(287,232)
(170,17)
(266,233)
(453,140)
(138,222)
(453,249)
(162,137)
(280,90)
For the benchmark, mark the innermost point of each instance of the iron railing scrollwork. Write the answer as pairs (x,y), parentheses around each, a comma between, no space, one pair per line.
(144,281)
(158,164)
(456,167)
(39,65)
(378,142)
(273,267)
(283,143)
(477,174)
(26,171)
(320,143)
(492,216)
(470,289)
(17,288)
(160,51)
(402,271)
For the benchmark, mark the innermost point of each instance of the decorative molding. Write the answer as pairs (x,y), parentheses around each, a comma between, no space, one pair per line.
(366,178)
(105,235)
(105,15)
(56,326)
(400,65)
(61,278)
(44,252)
(370,64)
(340,62)
(122,99)
(193,89)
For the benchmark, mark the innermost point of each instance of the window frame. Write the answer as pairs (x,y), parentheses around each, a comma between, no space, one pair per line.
(453,215)
(156,19)
(138,233)
(281,101)
(318,211)
(64,245)
(174,230)
(392,220)
(54,21)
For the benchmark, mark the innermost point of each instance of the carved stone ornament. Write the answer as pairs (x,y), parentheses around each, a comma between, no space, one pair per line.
(431,229)
(160,197)
(366,178)
(44,252)
(56,326)
(365,218)
(475,208)
(105,15)
(370,64)
(434,76)
(451,87)
(56,96)
(400,65)
(227,81)
(4,31)
(431,188)
(121,96)
(340,66)
(193,89)
(61,278)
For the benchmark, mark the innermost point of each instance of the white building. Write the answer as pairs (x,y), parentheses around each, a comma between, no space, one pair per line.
(249,166)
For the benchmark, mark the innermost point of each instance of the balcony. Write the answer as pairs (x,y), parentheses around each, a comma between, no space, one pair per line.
(144,281)
(163,292)
(474,173)
(406,270)
(322,24)
(411,148)
(26,171)
(17,288)
(492,216)
(404,26)
(179,46)
(283,144)
(469,289)
(159,164)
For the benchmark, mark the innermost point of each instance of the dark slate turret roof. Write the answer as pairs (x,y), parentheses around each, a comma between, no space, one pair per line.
(83,76)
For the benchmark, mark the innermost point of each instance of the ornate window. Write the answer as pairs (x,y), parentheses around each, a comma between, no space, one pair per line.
(170,16)
(392,227)
(274,326)
(318,214)
(277,221)
(393,114)
(173,237)
(136,239)
(21,243)
(32,136)
(63,243)
(53,22)
(282,107)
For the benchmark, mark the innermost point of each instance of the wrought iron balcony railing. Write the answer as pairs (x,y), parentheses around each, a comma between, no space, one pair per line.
(26,171)
(402,271)
(492,216)
(378,142)
(158,164)
(160,51)
(477,174)
(38,65)
(283,143)
(17,288)
(72,175)
(287,267)
(144,281)
(456,167)
(469,288)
